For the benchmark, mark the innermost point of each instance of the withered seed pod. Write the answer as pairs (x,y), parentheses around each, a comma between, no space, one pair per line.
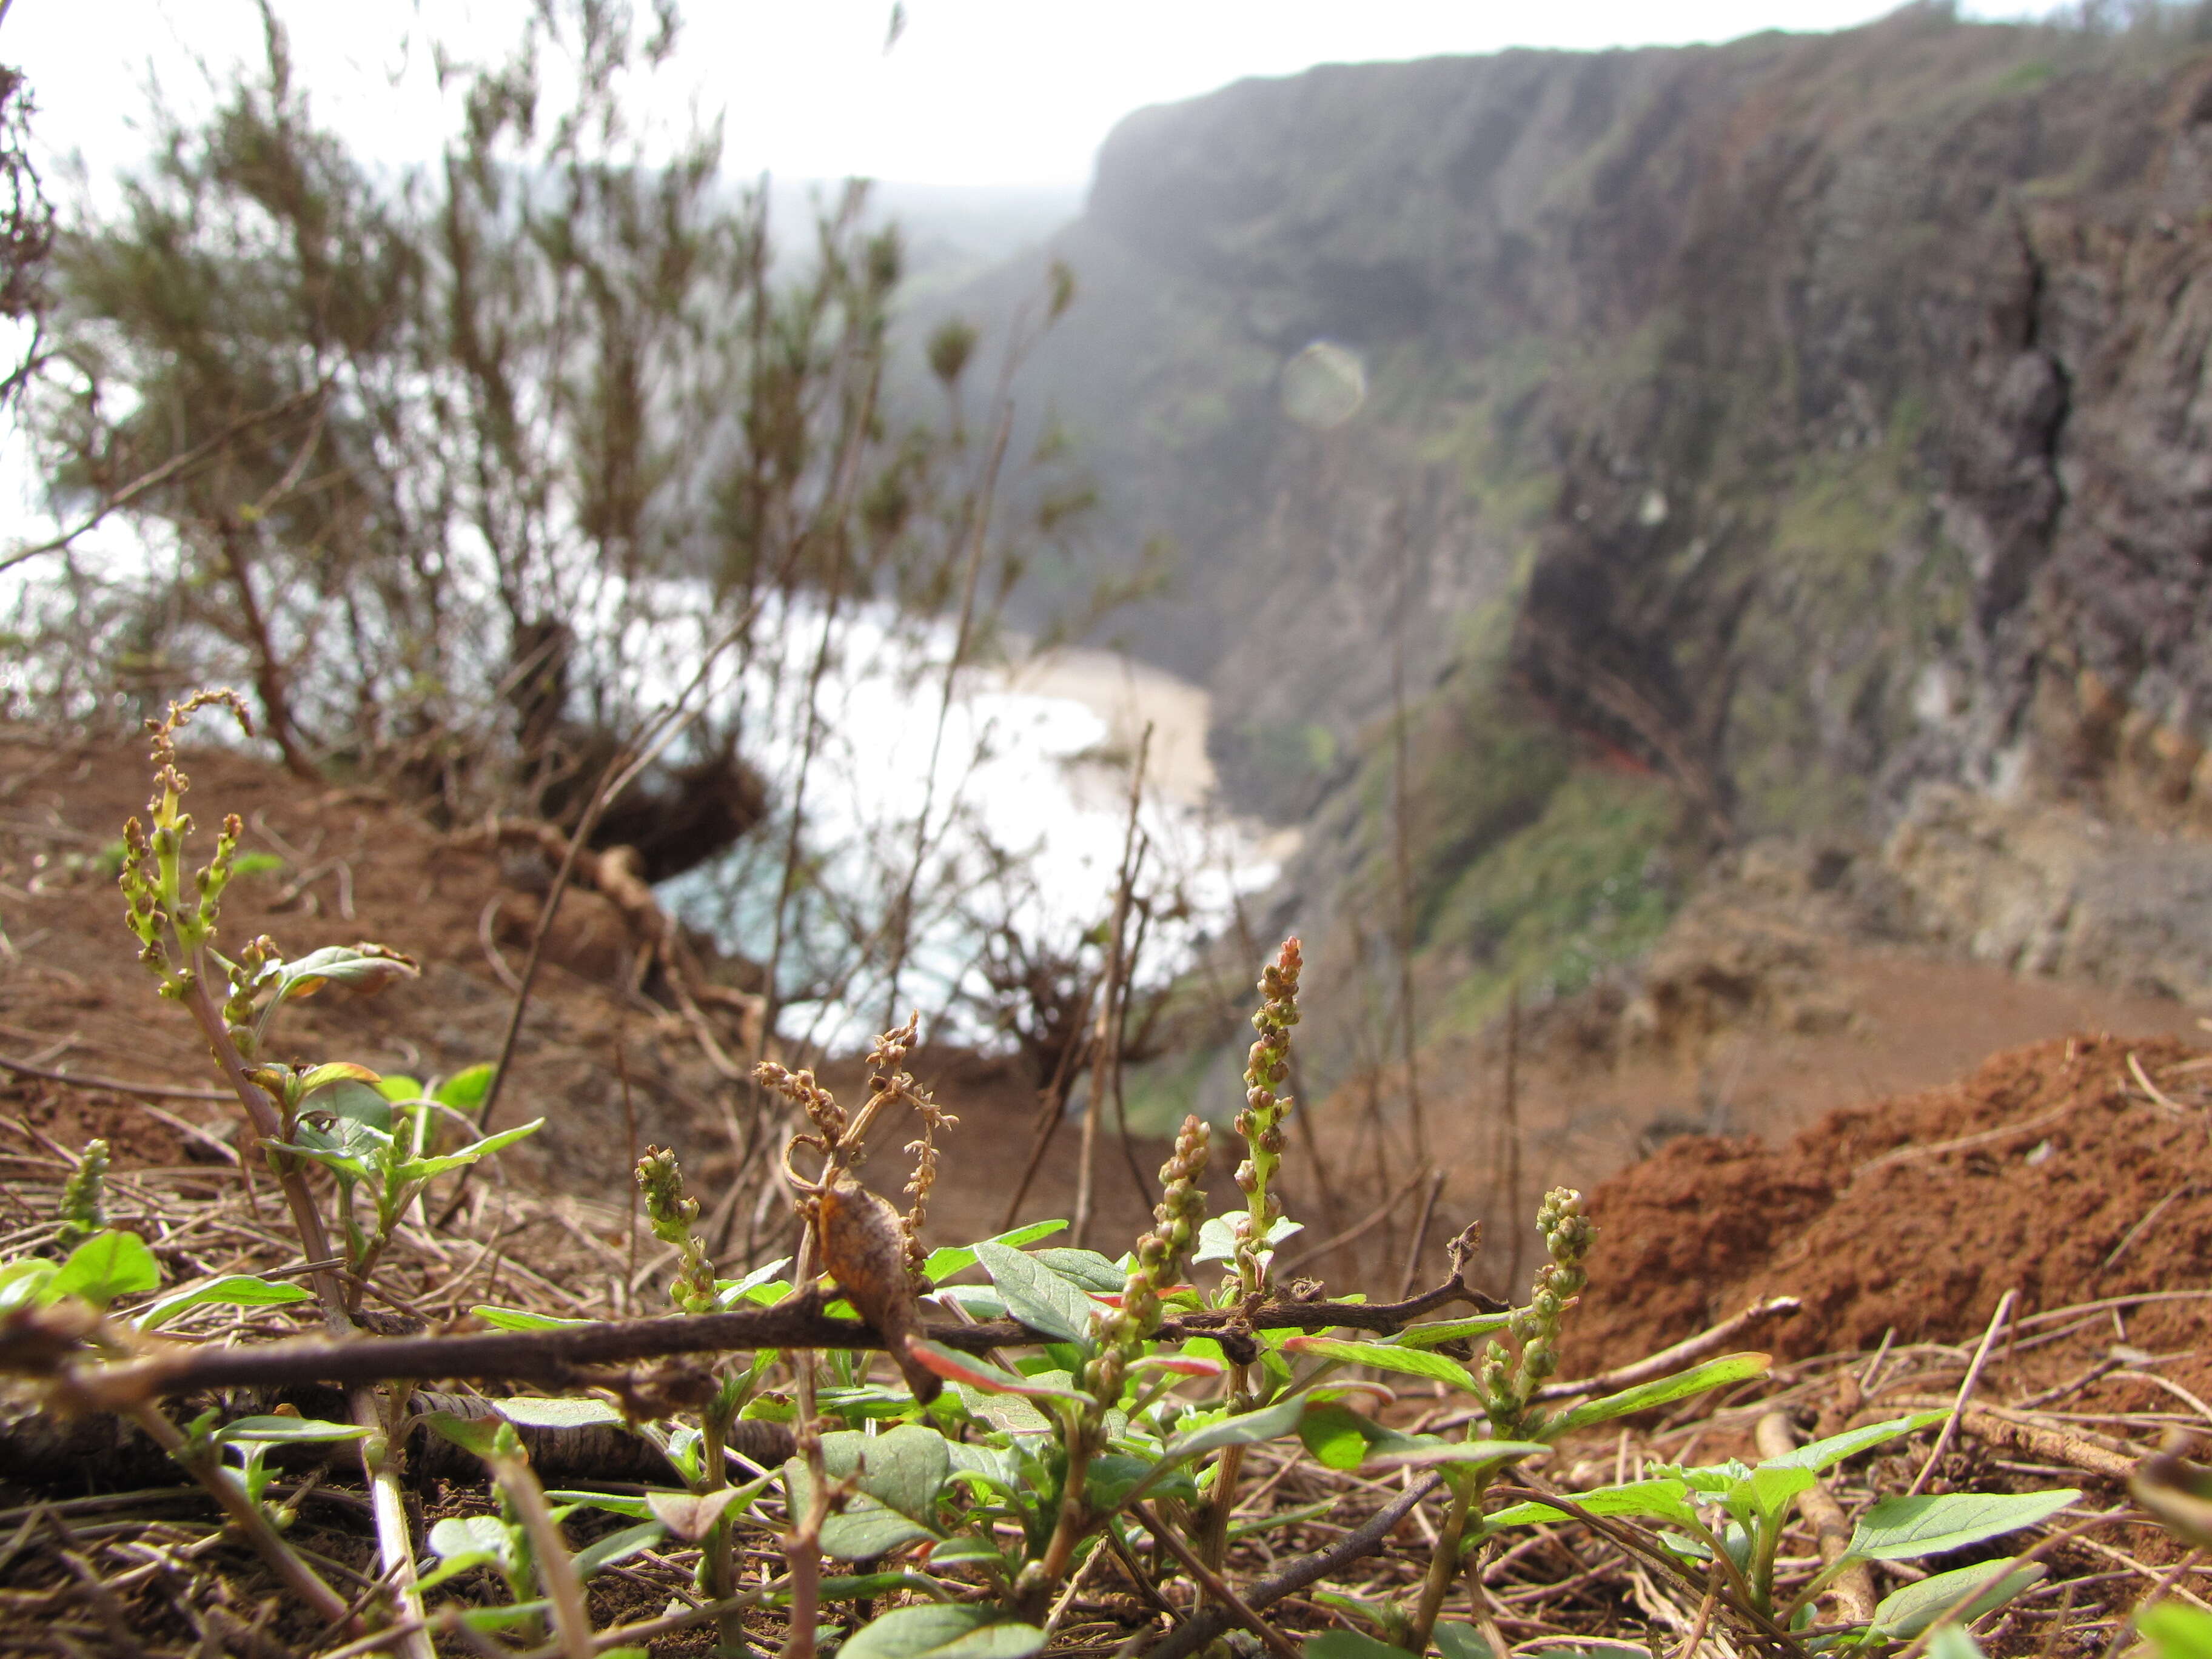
(864,1251)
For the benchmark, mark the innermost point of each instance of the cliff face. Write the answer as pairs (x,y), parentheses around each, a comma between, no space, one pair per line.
(1795,422)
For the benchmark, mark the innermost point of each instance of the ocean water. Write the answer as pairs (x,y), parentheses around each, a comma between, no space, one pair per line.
(1025,777)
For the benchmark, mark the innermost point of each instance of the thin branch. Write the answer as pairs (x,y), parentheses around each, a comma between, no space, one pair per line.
(161,475)
(1106,1040)
(1216,1587)
(86,1080)
(1363,1539)
(565,1356)
(1965,1393)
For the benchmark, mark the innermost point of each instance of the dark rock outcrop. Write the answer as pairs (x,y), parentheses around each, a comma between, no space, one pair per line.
(1803,421)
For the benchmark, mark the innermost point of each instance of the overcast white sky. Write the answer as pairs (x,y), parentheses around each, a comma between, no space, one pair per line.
(975,92)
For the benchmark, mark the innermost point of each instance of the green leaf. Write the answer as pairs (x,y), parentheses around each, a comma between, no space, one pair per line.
(978,1302)
(846,1587)
(942,1632)
(903,1469)
(618,1546)
(1413,1362)
(521,1319)
(731,1292)
(232,1289)
(398,1086)
(256,864)
(502,1618)
(470,1534)
(1952,1642)
(106,1265)
(1266,1424)
(1449,1330)
(1217,1239)
(1820,1456)
(942,1264)
(864,1530)
(531,1412)
(1086,1268)
(637,1509)
(2176,1630)
(965,1548)
(348,1102)
(1336,1436)
(25,1281)
(363,969)
(956,1367)
(1982,1587)
(1009,1413)
(1660,1500)
(1713,1374)
(1112,1476)
(1351,1644)
(1477,1452)
(472,1434)
(465,1090)
(1899,1528)
(347,1166)
(1770,1489)
(423,1168)
(283,1430)
(995,1466)
(1037,1296)
(464,1542)
(1457,1641)
(337,1071)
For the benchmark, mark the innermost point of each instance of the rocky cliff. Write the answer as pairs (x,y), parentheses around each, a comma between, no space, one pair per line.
(1753,436)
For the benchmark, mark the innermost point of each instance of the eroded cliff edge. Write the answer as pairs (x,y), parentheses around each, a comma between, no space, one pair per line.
(1761,439)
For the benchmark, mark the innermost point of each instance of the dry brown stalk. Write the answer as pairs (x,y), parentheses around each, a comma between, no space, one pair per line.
(1294,1576)
(1684,1352)
(1216,1586)
(1105,1044)
(1966,1391)
(2041,1440)
(1853,1591)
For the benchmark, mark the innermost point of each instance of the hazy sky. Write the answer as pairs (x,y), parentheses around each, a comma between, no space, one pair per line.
(975,92)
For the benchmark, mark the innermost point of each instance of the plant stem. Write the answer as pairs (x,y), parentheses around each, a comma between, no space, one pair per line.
(1444,1561)
(557,1570)
(329,1289)
(717,1579)
(802,1545)
(204,1465)
(1227,1469)
(380,1464)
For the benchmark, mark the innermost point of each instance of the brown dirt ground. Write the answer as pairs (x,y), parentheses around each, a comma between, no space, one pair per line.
(2033,1173)
(2051,1170)
(1894,1020)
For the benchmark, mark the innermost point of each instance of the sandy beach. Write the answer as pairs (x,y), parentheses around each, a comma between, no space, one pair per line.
(1126,694)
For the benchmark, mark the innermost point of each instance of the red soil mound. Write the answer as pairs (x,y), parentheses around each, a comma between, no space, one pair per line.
(2051,1171)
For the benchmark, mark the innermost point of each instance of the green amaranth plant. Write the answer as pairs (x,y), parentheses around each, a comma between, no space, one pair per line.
(1126,1393)
(334,1115)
